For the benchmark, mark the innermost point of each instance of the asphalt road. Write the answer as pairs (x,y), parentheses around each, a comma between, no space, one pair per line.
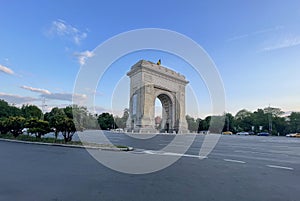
(239,168)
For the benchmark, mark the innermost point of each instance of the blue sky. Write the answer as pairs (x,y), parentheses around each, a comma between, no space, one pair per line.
(254,44)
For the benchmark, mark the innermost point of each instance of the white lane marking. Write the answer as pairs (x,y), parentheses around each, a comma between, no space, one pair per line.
(148,152)
(234,161)
(115,137)
(241,151)
(251,152)
(280,167)
(173,145)
(173,154)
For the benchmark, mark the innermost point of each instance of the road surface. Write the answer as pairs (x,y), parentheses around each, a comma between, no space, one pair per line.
(239,168)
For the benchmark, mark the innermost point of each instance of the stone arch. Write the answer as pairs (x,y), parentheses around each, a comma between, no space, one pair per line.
(148,81)
(167,119)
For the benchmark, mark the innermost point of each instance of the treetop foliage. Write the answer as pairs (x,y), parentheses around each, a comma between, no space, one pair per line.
(74,118)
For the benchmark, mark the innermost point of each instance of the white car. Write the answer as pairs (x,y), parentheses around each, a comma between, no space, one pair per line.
(242,133)
(119,130)
(293,135)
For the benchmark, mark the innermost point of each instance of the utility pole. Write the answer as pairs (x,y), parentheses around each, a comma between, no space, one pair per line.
(43,105)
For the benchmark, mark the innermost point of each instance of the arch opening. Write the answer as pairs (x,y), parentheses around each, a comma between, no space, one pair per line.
(165,122)
(157,113)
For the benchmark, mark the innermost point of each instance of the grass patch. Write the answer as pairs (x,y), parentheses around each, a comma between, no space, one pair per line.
(34,139)
(121,146)
(59,141)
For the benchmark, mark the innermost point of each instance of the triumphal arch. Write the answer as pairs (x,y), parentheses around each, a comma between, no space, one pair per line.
(149,81)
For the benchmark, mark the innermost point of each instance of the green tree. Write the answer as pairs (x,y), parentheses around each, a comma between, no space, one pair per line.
(243,121)
(229,123)
(242,114)
(82,118)
(15,125)
(275,122)
(69,111)
(192,123)
(55,118)
(121,121)
(7,110)
(280,126)
(294,122)
(260,118)
(38,127)
(68,129)
(61,119)
(214,124)
(106,121)
(275,112)
(217,124)
(4,128)
(125,117)
(31,111)
(118,121)
(202,125)
(91,121)
(4,109)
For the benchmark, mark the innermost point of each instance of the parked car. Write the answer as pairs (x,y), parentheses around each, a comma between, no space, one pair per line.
(263,134)
(251,133)
(242,133)
(293,135)
(227,133)
(119,130)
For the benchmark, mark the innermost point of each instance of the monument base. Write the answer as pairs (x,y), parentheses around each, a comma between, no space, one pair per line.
(183,131)
(145,130)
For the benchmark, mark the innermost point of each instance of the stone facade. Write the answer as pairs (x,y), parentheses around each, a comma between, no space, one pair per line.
(149,81)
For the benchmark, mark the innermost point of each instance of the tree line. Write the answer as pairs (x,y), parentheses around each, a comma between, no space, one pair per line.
(66,121)
(269,120)
(61,121)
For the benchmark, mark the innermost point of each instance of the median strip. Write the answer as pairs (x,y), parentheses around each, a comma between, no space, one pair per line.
(84,145)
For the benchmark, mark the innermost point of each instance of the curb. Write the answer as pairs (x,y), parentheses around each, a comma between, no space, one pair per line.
(69,145)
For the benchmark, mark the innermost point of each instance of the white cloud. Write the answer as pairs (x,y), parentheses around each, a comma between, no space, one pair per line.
(93,92)
(42,91)
(6,70)
(56,96)
(255,33)
(272,29)
(15,99)
(98,110)
(83,56)
(284,43)
(65,96)
(62,29)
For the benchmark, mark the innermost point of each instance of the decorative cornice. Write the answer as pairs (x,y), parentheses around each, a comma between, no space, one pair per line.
(155,69)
